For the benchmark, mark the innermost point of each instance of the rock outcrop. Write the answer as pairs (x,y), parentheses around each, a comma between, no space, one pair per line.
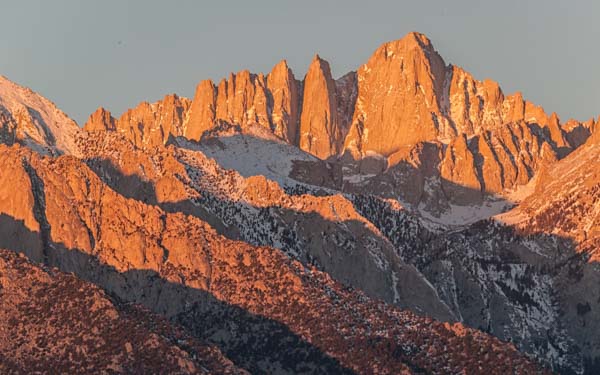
(242,99)
(246,100)
(407,95)
(403,96)
(399,92)
(201,116)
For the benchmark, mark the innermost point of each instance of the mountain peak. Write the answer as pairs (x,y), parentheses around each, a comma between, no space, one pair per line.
(281,66)
(400,87)
(318,61)
(101,119)
(416,37)
(410,42)
(320,132)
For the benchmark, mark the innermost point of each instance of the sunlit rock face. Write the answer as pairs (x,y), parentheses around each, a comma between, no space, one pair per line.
(284,91)
(147,125)
(100,120)
(246,99)
(320,128)
(399,91)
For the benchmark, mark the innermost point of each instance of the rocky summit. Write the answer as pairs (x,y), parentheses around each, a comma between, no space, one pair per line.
(403,218)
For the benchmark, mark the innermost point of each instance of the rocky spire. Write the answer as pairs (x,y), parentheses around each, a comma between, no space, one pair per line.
(285,101)
(202,111)
(320,132)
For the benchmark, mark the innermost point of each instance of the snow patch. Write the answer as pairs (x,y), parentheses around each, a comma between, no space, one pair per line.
(252,155)
(463,215)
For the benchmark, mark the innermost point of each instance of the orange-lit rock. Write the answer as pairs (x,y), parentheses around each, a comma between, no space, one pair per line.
(399,89)
(320,132)
(100,120)
(284,91)
(148,125)
(201,115)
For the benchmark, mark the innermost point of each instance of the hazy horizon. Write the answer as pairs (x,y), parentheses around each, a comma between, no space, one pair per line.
(117,54)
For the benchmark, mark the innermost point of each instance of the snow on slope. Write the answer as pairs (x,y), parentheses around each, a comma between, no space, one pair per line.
(39,123)
(464,215)
(252,154)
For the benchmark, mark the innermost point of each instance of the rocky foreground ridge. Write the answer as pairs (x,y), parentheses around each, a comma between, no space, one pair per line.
(51,321)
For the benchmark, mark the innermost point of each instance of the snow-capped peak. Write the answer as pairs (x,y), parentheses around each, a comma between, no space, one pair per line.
(35,121)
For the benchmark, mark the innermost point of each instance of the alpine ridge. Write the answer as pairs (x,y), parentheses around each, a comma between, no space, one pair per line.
(375,121)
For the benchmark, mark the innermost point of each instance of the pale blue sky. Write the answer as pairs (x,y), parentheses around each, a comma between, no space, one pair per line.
(84,54)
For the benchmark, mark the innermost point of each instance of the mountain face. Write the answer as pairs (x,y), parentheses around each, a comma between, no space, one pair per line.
(368,224)
(399,90)
(321,231)
(528,275)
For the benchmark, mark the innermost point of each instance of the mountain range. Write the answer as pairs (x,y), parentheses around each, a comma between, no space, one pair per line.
(404,218)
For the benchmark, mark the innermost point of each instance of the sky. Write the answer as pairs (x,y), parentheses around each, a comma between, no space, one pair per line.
(116,53)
